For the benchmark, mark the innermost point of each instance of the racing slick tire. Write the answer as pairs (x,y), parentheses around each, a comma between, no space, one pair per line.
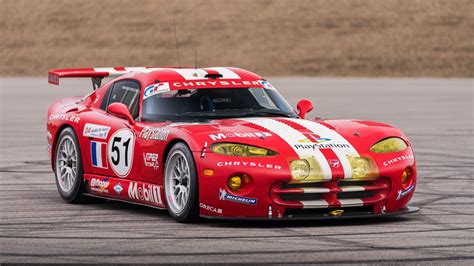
(68,167)
(181,184)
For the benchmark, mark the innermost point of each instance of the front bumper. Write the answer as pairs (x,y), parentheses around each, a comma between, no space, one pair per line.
(271,196)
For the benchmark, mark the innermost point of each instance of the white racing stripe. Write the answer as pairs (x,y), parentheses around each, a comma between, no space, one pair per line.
(314,204)
(325,132)
(110,70)
(351,202)
(352,188)
(190,73)
(292,136)
(225,72)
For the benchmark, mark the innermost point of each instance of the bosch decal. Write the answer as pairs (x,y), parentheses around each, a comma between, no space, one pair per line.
(118,188)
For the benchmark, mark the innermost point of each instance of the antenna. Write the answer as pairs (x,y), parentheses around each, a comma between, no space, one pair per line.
(195,58)
(176,40)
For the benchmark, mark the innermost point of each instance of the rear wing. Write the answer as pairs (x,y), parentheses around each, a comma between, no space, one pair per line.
(96,74)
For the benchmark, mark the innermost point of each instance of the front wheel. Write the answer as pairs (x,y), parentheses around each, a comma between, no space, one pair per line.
(68,167)
(181,184)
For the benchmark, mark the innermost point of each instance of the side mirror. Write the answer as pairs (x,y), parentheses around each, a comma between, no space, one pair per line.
(121,110)
(304,106)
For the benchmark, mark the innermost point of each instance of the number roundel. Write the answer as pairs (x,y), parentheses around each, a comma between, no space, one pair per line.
(120,151)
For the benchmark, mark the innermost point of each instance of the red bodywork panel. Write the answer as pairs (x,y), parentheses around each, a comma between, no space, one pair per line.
(272,193)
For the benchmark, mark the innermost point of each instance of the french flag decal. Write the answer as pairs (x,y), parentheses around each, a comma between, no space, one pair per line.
(98,154)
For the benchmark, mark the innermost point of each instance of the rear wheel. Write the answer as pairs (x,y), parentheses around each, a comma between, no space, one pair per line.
(68,167)
(181,184)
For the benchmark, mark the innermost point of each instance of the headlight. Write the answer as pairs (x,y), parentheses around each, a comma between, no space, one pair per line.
(234,149)
(389,145)
(305,170)
(362,167)
(300,169)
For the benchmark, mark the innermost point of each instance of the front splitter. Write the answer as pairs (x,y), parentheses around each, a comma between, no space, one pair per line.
(407,210)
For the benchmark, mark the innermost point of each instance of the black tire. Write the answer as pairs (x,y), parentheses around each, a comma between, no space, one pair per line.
(76,193)
(190,212)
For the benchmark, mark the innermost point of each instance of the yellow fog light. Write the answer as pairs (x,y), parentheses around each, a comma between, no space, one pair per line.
(300,169)
(389,145)
(405,176)
(234,183)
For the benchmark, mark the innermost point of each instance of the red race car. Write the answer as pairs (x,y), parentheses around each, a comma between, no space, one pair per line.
(221,143)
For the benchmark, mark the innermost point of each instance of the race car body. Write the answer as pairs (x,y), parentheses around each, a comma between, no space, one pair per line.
(221,143)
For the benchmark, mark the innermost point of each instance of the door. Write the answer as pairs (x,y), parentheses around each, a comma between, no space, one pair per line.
(112,141)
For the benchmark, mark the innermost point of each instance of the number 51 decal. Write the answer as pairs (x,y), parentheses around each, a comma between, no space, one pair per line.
(120,151)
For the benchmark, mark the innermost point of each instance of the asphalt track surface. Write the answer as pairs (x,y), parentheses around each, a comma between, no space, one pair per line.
(436,114)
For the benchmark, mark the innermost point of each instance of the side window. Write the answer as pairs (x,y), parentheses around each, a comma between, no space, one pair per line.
(126,92)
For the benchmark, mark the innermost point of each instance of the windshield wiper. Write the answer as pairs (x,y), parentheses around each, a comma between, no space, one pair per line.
(267,112)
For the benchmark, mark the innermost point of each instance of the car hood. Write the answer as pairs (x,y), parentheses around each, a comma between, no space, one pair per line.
(290,135)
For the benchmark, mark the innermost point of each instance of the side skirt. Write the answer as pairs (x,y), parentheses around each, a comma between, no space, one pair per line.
(136,192)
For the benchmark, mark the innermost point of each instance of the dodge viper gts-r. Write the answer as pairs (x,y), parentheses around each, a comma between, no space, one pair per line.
(221,143)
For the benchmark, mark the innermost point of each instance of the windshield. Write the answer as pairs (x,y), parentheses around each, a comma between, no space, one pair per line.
(215,104)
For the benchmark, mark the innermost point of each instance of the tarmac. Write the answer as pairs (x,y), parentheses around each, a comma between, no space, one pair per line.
(36,226)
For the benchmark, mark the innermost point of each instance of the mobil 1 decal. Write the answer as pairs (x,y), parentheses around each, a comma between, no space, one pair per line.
(120,151)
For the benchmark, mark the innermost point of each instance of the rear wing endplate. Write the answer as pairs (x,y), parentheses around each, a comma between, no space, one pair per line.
(96,74)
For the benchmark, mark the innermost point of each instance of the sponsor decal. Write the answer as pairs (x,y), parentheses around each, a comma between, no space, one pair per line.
(49,135)
(120,151)
(403,193)
(314,140)
(250,164)
(95,131)
(336,212)
(155,133)
(334,163)
(220,136)
(210,208)
(100,186)
(145,192)
(266,84)
(98,154)
(156,89)
(209,83)
(398,159)
(222,100)
(118,188)
(65,117)
(151,160)
(315,146)
(223,195)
